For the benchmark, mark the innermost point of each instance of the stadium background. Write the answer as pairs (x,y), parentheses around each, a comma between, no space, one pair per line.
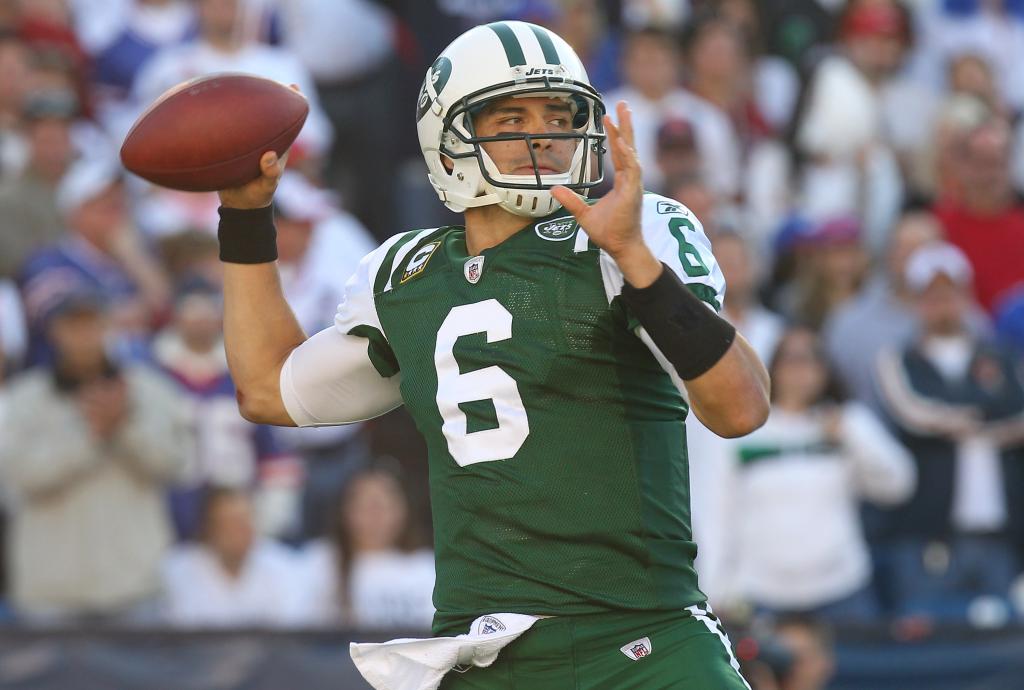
(821,142)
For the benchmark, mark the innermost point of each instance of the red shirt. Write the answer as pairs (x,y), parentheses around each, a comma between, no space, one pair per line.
(994,244)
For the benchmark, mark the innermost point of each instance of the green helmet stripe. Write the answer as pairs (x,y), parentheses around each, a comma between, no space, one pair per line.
(513,51)
(547,45)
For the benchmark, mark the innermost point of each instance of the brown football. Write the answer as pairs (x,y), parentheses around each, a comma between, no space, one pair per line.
(209,133)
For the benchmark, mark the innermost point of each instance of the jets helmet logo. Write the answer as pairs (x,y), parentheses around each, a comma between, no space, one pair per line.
(433,85)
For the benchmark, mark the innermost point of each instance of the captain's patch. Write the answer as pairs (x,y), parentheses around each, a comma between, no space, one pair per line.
(419,260)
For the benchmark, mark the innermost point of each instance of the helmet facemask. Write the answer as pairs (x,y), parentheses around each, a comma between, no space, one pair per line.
(527,194)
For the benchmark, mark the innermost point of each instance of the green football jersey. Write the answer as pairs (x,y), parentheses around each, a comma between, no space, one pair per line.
(557,450)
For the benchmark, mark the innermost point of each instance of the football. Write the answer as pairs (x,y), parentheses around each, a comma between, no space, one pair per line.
(209,133)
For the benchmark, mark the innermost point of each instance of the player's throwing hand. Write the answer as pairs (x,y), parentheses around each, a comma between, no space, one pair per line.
(259,192)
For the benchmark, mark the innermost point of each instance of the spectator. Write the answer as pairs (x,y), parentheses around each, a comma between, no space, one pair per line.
(776,84)
(849,167)
(86,451)
(232,577)
(677,157)
(191,253)
(957,403)
(15,66)
(991,29)
(349,48)
(584,26)
(102,250)
(146,27)
(28,200)
(982,213)
(810,643)
(222,47)
(743,273)
(798,29)
(651,66)
(710,472)
(229,451)
(719,71)
(369,573)
(12,329)
(46,26)
(798,545)
(1010,320)
(971,74)
(884,303)
(319,247)
(831,266)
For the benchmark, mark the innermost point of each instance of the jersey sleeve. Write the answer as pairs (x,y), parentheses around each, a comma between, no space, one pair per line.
(676,237)
(346,373)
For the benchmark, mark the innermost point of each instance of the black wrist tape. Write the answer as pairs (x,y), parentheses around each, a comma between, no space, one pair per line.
(247,235)
(690,335)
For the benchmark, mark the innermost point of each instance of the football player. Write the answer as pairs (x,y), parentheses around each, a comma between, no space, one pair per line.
(549,351)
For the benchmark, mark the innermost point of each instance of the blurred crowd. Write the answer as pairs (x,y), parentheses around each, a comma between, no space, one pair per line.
(857,164)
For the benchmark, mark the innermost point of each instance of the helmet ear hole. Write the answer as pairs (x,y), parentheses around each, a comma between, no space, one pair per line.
(447,162)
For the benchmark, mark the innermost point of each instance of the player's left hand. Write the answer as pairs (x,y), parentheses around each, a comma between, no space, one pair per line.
(613,223)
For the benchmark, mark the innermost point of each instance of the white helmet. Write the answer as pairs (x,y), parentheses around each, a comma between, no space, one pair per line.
(498,60)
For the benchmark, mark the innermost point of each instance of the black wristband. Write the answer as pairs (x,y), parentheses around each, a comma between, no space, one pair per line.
(690,335)
(247,235)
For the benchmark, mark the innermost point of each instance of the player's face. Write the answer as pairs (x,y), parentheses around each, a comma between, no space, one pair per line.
(533,115)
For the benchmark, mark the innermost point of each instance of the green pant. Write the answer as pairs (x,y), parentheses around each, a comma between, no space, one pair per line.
(685,650)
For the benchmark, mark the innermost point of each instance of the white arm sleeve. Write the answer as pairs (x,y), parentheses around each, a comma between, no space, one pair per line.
(346,373)
(330,380)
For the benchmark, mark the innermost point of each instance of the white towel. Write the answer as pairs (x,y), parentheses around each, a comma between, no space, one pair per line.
(420,664)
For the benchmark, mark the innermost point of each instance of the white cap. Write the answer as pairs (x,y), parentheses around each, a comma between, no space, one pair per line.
(298,199)
(934,259)
(86,179)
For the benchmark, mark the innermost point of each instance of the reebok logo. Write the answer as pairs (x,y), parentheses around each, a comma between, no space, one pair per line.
(490,625)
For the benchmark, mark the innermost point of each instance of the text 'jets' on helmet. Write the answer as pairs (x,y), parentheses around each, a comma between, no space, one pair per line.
(499,60)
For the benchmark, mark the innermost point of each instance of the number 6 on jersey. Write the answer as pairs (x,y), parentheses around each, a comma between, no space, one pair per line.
(505,440)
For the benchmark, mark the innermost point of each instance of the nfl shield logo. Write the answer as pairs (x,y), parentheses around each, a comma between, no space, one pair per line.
(473,269)
(637,649)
